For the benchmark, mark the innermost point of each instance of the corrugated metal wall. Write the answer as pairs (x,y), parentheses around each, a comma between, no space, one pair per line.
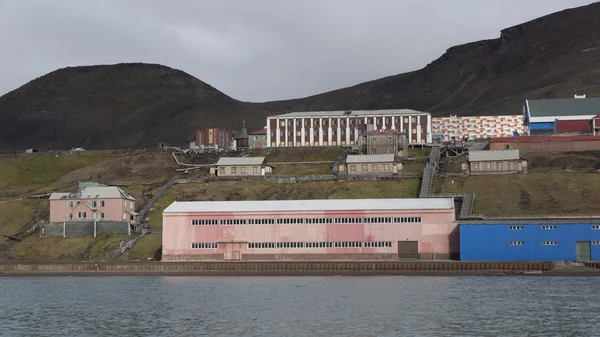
(526,242)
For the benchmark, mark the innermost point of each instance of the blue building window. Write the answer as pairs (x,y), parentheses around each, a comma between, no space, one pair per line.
(595,226)
(517,243)
(595,243)
(516,228)
(549,243)
(548,227)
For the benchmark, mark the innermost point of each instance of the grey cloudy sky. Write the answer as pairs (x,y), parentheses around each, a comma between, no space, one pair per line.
(253,50)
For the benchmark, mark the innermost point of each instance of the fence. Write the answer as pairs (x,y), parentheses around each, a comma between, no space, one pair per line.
(83,228)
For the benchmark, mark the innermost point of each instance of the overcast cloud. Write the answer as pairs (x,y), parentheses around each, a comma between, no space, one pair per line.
(253,50)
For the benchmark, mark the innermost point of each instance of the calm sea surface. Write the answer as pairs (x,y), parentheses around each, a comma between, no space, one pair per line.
(300,306)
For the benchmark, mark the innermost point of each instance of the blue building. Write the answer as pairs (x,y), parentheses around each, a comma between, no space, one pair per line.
(530,241)
(542,116)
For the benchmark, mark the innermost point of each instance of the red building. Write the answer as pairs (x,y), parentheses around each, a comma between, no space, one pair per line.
(213,137)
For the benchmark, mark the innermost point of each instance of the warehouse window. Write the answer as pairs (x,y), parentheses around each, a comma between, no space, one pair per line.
(517,243)
(516,228)
(596,243)
(549,243)
(548,227)
(205,245)
(595,226)
(341,244)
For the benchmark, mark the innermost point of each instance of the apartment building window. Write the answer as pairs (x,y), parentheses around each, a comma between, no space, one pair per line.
(255,170)
(353,168)
(517,243)
(234,170)
(94,203)
(243,170)
(548,227)
(101,203)
(549,243)
(70,204)
(70,216)
(101,215)
(82,215)
(413,119)
(516,228)
(374,141)
(282,123)
(221,170)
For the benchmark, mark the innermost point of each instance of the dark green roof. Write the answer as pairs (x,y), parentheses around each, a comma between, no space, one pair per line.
(564,107)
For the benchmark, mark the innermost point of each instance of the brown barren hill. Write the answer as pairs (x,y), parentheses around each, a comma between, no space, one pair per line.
(139,105)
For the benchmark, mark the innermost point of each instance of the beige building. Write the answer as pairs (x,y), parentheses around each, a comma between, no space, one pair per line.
(494,162)
(381,141)
(241,166)
(374,165)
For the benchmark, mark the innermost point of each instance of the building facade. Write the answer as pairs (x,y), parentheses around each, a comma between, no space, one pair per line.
(475,127)
(373,165)
(549,116)
(382,141)
(494,162)
(530,241)
(310,229)
(342,128)
(213,138)
(241,167)
(557,143)
(105,203)
(258,139)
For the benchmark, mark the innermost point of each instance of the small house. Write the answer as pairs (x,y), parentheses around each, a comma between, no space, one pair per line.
(258,139)
(494,162)
(240,167)
(93,203)
(374,165)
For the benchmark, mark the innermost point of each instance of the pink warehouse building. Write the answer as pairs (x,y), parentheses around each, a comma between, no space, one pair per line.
(310,229)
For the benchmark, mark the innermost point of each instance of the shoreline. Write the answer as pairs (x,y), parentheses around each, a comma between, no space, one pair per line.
(496,273)
(298,268)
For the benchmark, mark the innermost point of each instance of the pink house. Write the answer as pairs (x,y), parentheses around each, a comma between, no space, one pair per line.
(107,203)
(311,229)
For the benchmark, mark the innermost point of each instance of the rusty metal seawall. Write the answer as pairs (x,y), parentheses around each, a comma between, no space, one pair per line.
(278,266)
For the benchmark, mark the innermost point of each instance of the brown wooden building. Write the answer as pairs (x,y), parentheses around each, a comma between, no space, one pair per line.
(374,165)
(381,141)
(494,162)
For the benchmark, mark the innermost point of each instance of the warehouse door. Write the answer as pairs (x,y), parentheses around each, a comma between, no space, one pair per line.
(583,251)
(408,249)
(233,251)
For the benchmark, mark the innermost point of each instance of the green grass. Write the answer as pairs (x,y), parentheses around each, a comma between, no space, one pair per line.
(528,194)
(243,190)
(34,172)
(105,246)
(302,169)
(418,152)
(411,168)
(14,215)
(300,154)
(146,247)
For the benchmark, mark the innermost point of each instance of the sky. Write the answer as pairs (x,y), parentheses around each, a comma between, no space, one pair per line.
(252,50)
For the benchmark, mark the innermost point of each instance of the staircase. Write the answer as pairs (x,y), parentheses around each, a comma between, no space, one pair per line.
(155,198)
(429,172)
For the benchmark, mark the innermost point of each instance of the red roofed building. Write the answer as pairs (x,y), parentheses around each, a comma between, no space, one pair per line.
(595,125)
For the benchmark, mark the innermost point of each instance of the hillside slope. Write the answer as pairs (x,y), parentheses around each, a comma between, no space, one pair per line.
(550,57)
(116,106)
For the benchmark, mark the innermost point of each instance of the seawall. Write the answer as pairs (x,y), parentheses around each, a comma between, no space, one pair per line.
(276,268)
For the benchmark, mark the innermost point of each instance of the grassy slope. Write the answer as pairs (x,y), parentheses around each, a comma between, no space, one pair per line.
(300,154)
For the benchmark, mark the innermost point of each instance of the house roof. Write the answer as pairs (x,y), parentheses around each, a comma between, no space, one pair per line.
(564,107)
(493,155)
(573,126)
(241,161)
(533,139)
(382,132)
(259,132)
(310,205)
(106,192)
(352,113)
(370,158)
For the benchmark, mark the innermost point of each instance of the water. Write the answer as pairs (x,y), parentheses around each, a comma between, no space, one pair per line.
(300,306)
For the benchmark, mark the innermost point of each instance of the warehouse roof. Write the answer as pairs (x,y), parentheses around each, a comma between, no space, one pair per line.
(493,155)
(241,161)
(370,158)
(563,107)
(351,113)
(310,205)
(107,192)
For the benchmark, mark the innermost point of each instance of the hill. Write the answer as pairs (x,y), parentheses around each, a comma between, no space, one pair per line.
(116,106)
(138,105)
(554,56)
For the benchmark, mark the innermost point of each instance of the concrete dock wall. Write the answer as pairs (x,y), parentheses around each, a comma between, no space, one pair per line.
(270,267)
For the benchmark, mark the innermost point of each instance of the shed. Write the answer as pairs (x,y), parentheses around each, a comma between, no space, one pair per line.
(241,166)
(371,165)
(494,162)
